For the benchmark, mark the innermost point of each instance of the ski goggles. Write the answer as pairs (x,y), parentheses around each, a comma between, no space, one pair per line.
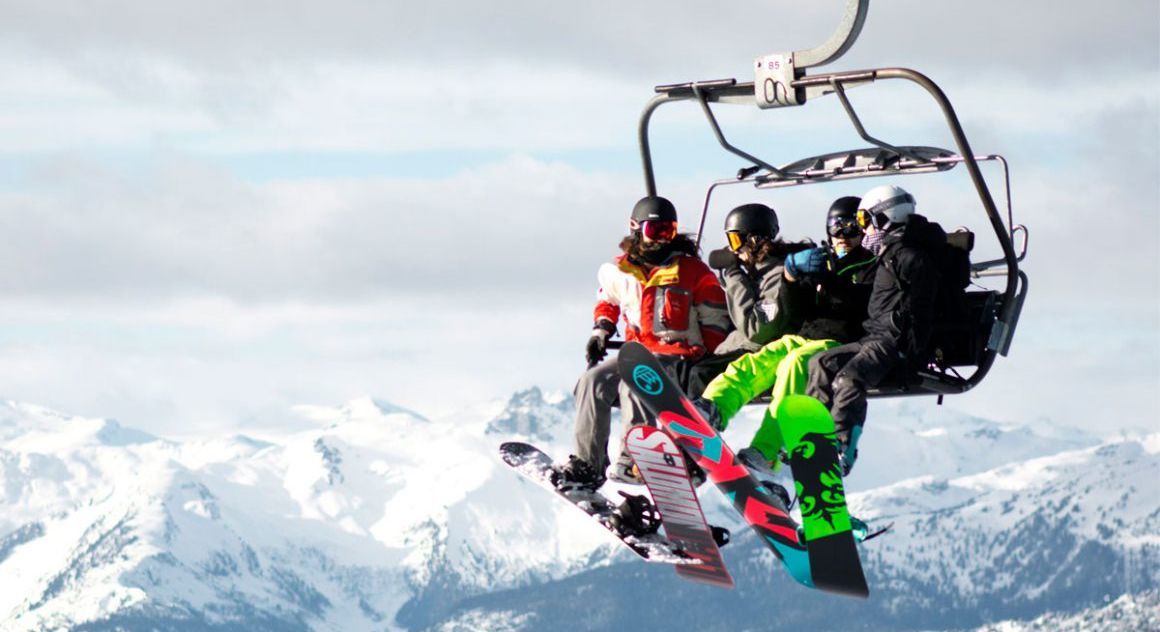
(736,240)
(657,229)
(843,227)
(867,219)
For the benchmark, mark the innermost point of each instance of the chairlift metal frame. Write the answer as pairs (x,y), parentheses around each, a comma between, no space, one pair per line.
(781,81)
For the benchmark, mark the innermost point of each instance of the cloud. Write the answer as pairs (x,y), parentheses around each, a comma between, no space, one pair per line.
(392,77)
(182,228)
(147,275)
(643,37)
(208,364)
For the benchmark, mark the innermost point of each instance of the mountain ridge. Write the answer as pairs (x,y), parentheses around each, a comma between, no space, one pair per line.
(369,516)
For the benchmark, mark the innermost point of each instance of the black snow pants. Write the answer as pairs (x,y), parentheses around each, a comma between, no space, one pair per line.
(839,378)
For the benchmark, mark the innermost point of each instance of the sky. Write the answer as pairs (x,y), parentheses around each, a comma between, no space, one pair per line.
(212,211)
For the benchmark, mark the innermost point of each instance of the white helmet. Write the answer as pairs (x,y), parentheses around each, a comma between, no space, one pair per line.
(885,207)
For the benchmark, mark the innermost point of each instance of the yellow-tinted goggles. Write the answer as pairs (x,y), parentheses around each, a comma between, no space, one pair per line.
(735,241)
(863,218)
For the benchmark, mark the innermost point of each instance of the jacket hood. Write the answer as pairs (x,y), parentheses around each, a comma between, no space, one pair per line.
(919,232)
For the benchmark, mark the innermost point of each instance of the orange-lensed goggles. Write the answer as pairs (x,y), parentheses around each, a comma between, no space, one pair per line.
(658,229)
(736,240)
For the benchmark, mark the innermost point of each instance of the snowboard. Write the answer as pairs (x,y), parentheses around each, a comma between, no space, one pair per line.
(663,468)
(765,512)
(830,536)
(533,463)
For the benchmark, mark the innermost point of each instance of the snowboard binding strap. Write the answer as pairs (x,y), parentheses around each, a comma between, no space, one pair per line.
(636,516)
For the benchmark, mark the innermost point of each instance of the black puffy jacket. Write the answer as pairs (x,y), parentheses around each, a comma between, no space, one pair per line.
(902,302)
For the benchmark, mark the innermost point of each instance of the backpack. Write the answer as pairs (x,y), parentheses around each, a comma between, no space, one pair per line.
(952,338)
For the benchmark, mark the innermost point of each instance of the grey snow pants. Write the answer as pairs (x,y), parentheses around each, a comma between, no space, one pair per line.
(597,391)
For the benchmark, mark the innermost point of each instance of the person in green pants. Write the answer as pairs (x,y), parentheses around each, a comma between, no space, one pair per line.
(841,273)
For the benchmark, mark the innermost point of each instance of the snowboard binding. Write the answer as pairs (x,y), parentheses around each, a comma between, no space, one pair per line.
(636,516)
(862,532)
(779,491)
(576,475)
(721,535)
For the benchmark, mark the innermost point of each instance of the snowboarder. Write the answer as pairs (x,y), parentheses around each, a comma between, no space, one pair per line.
(901,313)
(669,301)
(762,306)
(840,272)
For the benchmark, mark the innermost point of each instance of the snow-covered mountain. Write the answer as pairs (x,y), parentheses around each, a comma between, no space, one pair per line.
(1128,612)
(375,513)
(1059,534)
(373,517)
(908,439)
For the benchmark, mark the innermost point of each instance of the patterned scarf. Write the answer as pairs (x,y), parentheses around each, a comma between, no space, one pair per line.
(873,243)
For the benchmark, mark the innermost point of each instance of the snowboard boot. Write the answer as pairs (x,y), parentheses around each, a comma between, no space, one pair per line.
(710,412)
(696,474)
(848,448)
(862,530)
(625,471)
(859,528)
(576,474)
(636,516)
(755,462)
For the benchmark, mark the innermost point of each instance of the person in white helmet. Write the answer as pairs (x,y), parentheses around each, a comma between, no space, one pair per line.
(899,317)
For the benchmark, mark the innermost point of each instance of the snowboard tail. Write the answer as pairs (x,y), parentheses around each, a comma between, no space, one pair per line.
(808,430)
(663,468)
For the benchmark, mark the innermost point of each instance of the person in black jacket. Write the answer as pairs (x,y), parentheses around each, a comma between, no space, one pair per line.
(900,313)
(841,273)
(835,279)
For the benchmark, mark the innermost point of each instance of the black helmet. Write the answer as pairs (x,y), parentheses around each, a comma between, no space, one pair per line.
(841,218)
(752,219)
(844,207)
(654,209)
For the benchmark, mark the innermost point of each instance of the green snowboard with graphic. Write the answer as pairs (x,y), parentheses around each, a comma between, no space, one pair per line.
(808,430)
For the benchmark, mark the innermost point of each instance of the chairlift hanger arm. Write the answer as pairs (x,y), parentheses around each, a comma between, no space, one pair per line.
(853,18)
(720,90)
(729,147)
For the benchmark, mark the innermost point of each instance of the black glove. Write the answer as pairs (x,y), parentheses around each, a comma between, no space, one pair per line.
(723,258)
(597,347)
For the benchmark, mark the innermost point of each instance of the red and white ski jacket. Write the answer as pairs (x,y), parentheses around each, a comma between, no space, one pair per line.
(677,308)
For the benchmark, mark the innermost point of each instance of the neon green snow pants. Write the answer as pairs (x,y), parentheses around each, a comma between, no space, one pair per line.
(781,365)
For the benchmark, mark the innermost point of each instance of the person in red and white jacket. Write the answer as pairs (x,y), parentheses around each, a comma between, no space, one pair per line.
(669,301)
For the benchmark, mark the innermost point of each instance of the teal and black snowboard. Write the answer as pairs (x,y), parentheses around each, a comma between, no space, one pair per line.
(808,431)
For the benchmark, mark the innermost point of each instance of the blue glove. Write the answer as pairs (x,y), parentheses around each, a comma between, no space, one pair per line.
(805,262)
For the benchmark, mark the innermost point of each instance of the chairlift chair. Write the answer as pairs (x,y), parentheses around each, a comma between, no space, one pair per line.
(781,81)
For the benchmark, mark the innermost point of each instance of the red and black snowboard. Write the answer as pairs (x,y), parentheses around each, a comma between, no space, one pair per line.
(816,566)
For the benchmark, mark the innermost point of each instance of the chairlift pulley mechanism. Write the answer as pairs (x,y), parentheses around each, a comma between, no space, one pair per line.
(776,75)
